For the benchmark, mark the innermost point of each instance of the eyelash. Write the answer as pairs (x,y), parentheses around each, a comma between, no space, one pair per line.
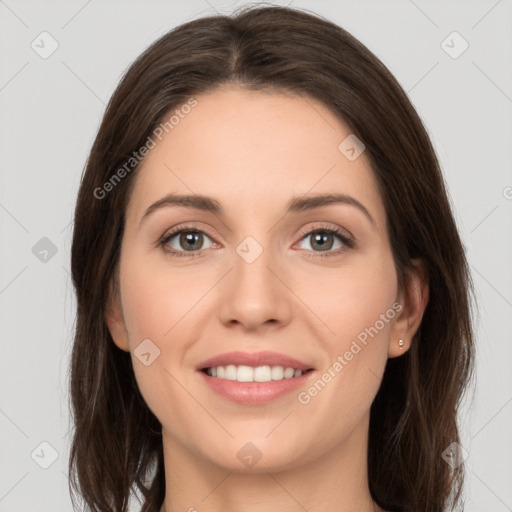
(347,241)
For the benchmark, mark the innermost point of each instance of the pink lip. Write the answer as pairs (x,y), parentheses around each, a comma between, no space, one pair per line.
(254,360)
(256,393)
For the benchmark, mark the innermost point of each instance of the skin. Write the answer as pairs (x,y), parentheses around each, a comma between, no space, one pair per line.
(253,151)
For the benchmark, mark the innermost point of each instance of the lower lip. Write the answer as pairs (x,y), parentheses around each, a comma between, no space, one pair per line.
(255,393)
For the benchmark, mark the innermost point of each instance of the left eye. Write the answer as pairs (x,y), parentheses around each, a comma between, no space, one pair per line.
(323,240)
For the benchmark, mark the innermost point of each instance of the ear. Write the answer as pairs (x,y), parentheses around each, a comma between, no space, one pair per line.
(413,299)
(114,319)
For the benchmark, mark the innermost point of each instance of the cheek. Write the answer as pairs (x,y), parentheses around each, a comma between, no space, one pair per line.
(154,299)
(358,307)
(355,298)
(155,307)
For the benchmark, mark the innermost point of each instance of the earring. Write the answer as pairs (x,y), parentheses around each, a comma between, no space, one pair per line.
(401,343)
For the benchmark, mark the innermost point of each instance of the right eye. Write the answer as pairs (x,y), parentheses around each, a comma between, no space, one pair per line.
(184,241)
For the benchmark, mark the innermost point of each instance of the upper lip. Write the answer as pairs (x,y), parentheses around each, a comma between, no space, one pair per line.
(265,358)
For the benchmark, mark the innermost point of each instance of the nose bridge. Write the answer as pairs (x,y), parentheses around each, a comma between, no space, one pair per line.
(253,294)
(252,275)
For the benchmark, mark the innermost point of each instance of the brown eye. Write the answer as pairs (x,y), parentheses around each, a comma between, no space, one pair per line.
(322,240)
(190,240)
(182,241)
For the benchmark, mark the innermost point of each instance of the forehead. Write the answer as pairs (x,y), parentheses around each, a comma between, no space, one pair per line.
(253,150)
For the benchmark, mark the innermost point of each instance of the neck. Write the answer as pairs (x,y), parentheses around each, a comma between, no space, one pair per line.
(336,481)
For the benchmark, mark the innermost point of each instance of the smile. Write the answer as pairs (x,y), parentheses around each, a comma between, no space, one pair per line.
(254,392)
(243,373)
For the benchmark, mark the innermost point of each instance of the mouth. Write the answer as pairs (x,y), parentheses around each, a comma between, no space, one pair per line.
(264,373)
(255,385)
(250,367)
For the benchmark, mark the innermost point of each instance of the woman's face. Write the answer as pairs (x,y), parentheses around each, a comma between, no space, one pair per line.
(259,274)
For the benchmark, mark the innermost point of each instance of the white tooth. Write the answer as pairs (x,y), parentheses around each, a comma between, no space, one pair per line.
(245,374)
(262,374)
(230,373)
(288,373)
(277,372)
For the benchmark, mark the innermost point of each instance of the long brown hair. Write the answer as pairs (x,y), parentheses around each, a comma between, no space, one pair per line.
(117,444)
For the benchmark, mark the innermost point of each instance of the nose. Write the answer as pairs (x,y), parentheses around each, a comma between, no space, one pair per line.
(254,293)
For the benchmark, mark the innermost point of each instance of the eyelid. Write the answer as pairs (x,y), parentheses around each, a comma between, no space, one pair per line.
(323,226)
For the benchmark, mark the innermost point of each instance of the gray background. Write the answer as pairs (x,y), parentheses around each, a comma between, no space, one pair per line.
(50,111)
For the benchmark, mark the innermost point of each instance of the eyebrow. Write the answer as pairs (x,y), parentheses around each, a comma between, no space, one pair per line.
(295,205)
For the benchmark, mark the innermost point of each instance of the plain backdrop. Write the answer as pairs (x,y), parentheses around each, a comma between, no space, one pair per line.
(50,110)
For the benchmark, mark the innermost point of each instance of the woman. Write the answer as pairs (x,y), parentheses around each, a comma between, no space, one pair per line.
(273,298)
